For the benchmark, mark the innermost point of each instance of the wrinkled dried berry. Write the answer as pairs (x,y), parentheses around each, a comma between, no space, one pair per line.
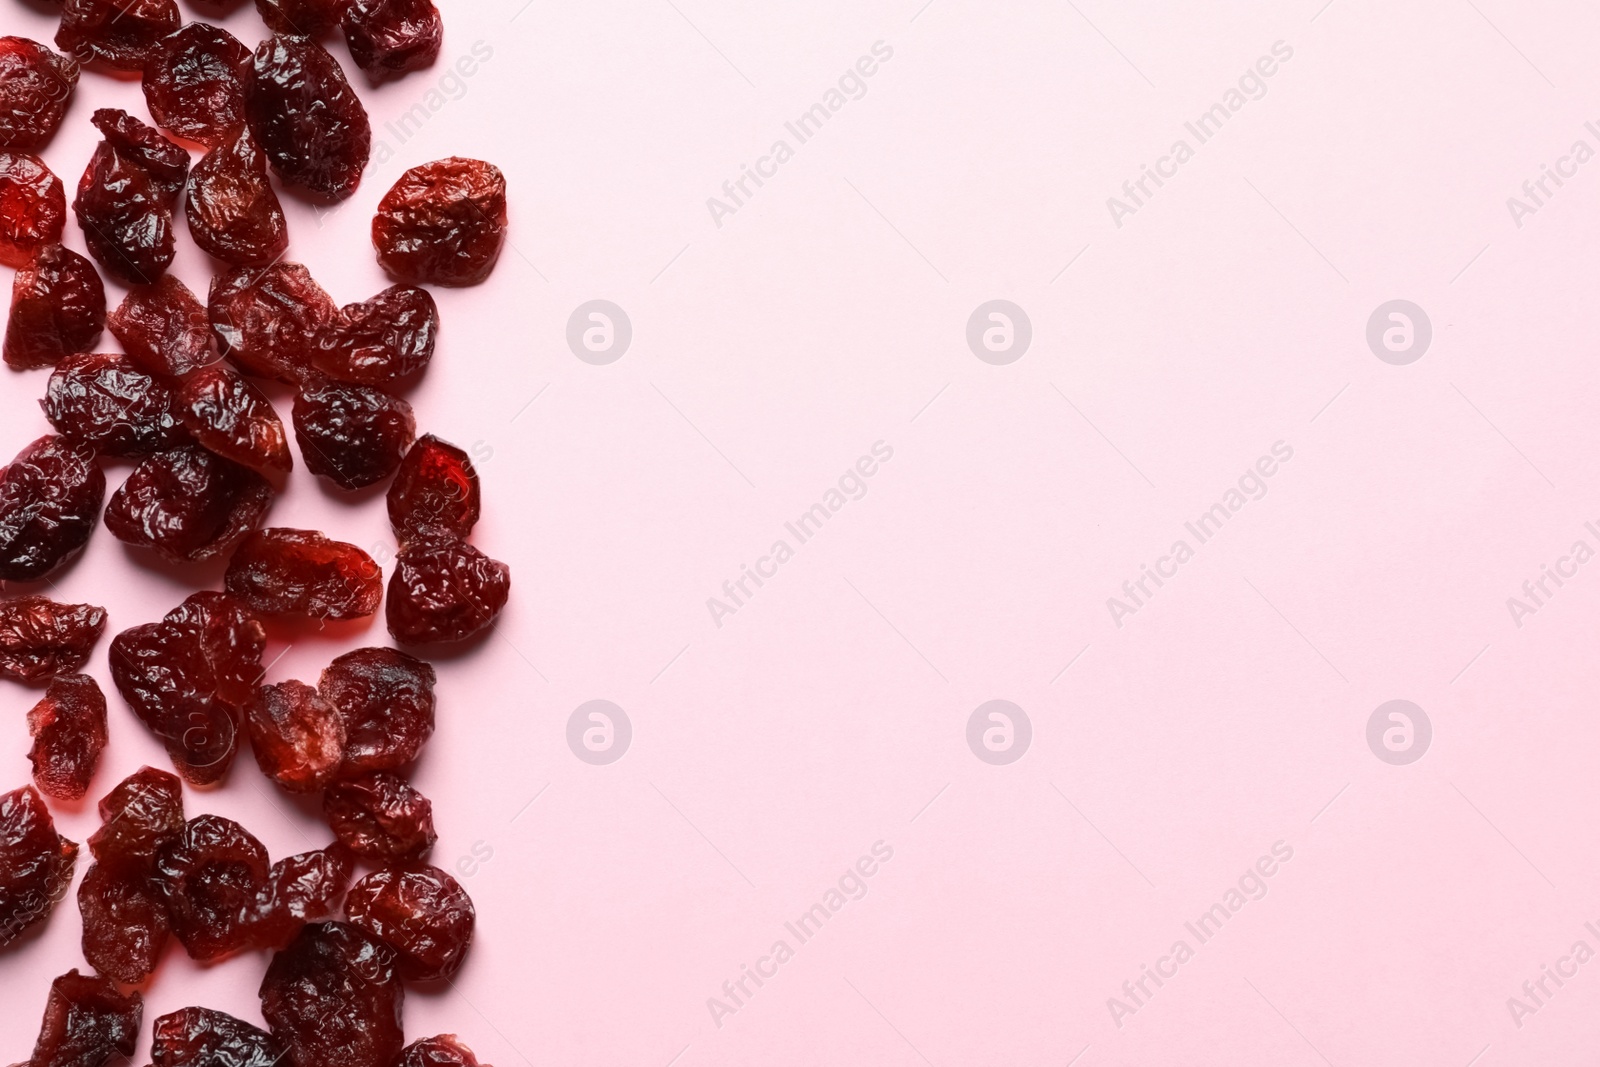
(309,18)
(436,486)
(163,328)
(33,208)
(125,923)
(166,163)
(195,86)
(141,814)
(58,307)
(301,889)
(382,340)
(332,997)
(50,499)
(297,736)
(353,435)
(125,216)
(88,1022)
(35,863)
(122,34)
(422,913)
(306,117)
(443,222)
(233,213)
(210,876)
(36,85)
(300,572)
(446,1050)
(200,1037)
(443,590)
(190,505)
(69,733)
(232,418)
(384,697)
(40,639)
(103,401)
(380,818)
(265,320)
(387,38)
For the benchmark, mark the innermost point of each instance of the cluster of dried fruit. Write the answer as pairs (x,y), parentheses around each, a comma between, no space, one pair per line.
(209,453)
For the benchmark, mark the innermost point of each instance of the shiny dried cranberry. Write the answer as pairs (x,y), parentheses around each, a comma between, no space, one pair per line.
(35,863)
(141,814)
(189,505)
(301,889)
(103,401)
(301,572)
(353,435)
(233,213)
(445,1050)
(69,733)
(125,216)
(436,486)
(309,18)
(382,340)
(58,307)
(210,876)
(443,222)
(265,319)
(332,997)
(50,499)
(125,923)
(40,639)
(387,38)
(163,328)
(297,736)
(33,208)
(422,913)
(195,86)
(166,162)
(232,418)
(122,34)
(200,1037)
(306,117)
(36,86)
(384,697)
(88,1022)
(380,818)
(443,590)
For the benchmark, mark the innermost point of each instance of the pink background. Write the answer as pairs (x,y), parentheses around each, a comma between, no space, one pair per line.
(829,712)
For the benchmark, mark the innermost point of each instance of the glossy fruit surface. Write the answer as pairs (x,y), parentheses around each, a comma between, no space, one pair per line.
(234,419)
(69,733)
(419,911)
(35,863)
(88,1022)
(310,123)
(333,997)
(301,572)
(106,404)
(442,223)
(33,208)
(36,85)
(40,639)
(58,307)
(385,700)
(50,499)
(353,435)
(189,505)
(195,84)
(444,590)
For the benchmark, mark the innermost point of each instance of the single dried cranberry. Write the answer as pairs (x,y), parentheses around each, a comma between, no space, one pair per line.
(36,86)
(422,913)
(40,639)
(384,698)
(301,572)
(103,401)
(195,85)
(443,590)
(58,307)
(122,34)
(332,997)
(309,18)
(200,1037)
(190,505)
(233,213)
(306,117)
(297,736)
(301,889)
(125,923)
(88,1022)
(380,818)
(436,486)
(69,733)
(166,163)
(141,814)
(387,38)
(35,863)
(125,216)
(163,328)
(443,222)
(382,340)
(232,418)
(50,499)
(210,876)
(353,435)
(33,208)
(446,1050)
(265,319)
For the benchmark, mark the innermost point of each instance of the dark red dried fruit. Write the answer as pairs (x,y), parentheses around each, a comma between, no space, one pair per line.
(232,418)
(382,340)
(33,208)
(200,1037)
(35,863)
(443,590)
(380,818)
(163,328)
(387,38)
(436,486)
(446,1050)
(88,1022)
(301,572)
(103,401)
(125,923)
(297,736)
(422,913)
(233,213)
(384,697)
(353,435)
(40,639)
(122,34)
(210,876)
(141,814)
(306,118)
(196,84)
(332,997)
(36,86)
(309,18)
(58,307)
(443,222)
(69,733)
(190,505)
(50,499)
(301,889)
(166,162)
(265,320)
(125,216)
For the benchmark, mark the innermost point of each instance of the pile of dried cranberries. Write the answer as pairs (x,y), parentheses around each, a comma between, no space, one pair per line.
(207,454)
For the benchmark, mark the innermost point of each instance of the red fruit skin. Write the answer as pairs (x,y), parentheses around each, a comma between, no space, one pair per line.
(125,216)
(166,162)
(210,876)
(232,418)
(121,34)
(301,889)
(35,863)
(195,85)
(233,213)
(445,1050)
(444,590)
(69,733)
(142,813)
(40,639)
(125,924)
(309,122)
(380,818)
(200,1037)
(189,505)
(382,340)
(387,38)
(58,307)
(332,997)
(442,223)
(309,18)
(302,573)
(265,320)
(353,435)
(164,328)
(87,1022)
(297,736)
(36,85)
(104,403)
(436,486)
(33,208)
(422,913)
(385,700)
(50,499)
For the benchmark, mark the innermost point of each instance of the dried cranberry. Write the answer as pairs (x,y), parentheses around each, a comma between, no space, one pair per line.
(233,213)
(443,222)
(265,319)
(125,923)
(103,401)
(50,499)
(297,736)
(166,163)
(387,38)
(332,997)
(58,307)
(35,863)
(195,86)
(301,889)
(382,340)
(69,733)
(190,505)
(163,328)
(88,1022)
(384,697)
(309,18)
(36,86)
(353,435)
(380,818)
(232,418)
(436,486)
(306,117)
(125,216)
(141,814)
(210,876)
(422,913)
(301,572)
(446,1050)
(40,639)
(33,208)
(443,590)
(200,1037)
(122,34)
